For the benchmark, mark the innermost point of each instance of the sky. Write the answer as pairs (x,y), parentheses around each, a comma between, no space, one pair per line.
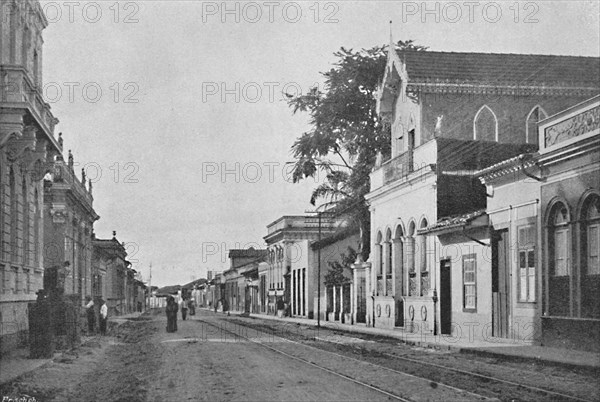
(175,108)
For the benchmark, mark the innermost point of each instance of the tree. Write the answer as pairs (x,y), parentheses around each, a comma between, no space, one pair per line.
(346,133)
(335,275)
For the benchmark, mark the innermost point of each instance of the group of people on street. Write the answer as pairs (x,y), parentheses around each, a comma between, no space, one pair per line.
(173,308)
(91,315)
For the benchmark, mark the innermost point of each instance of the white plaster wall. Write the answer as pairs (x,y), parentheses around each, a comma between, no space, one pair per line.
(400,207)
(521,193)
(469,323)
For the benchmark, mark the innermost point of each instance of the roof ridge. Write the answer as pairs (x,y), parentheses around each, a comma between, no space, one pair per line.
(494,53)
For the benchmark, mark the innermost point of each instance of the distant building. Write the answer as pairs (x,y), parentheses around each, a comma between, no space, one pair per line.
(290,278)
(27,152)
(112,276)
(242,281)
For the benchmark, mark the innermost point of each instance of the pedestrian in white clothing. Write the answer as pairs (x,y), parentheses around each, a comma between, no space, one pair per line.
(103,316)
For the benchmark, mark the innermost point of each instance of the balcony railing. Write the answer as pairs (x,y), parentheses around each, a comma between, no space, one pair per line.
(63,173)
(398,168)
(403,165)
(17,87)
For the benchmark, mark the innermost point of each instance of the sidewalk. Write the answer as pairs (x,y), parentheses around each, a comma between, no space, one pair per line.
(17,362)
(491,347)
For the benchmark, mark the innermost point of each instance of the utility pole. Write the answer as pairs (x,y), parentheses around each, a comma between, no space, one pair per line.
(150,287)
(319,220)
(319,274)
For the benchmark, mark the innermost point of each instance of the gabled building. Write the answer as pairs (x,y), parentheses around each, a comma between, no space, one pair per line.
(452,114)
(27,151)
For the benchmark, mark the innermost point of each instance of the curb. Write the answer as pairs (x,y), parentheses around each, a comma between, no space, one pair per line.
(459,349)
(532,359)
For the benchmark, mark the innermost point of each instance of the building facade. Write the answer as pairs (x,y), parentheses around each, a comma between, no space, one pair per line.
(451,115)
(242,284)
(27,151)
(291,279)
(112,276)
(342,293)
(69,217)
(569,223)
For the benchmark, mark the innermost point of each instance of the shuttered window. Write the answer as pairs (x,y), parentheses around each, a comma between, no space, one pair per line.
(526,241)
(469,282)
(593,247)
(561,266)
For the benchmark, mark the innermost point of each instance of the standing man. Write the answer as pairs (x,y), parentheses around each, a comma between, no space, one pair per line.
(103,316)
(91,316)
(184,308)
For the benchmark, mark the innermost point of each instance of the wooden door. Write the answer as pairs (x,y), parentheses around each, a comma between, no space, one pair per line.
(445,298)
(500,284)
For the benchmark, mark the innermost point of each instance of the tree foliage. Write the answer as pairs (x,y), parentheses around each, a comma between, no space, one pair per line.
(346,133)
(335,275)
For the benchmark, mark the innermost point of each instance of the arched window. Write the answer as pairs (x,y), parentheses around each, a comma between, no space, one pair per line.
(410,260)
(424,268)
(399,260)
(25,206)
(13,215)
(423,248)
(590,262)
(531,130)
(485,125)
(380,256)
(559,281)
(388,262)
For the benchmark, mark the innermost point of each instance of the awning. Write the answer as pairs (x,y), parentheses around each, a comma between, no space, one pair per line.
(463,222)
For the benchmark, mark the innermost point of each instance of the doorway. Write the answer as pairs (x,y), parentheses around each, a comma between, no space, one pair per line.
(445,298)
(500,284)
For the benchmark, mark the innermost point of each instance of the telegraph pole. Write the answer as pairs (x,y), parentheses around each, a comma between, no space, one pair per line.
(150,287)
(319,274)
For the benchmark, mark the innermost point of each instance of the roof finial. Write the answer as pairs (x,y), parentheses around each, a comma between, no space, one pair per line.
(391,37)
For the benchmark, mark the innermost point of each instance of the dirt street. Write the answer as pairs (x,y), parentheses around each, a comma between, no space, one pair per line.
(219,358)
(142,362)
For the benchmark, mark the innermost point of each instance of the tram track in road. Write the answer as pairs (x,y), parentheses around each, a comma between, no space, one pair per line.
(555,395)
(493,386)
(432,390)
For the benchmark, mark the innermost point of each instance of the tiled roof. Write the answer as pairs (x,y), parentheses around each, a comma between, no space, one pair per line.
(196,282)
(249,252)
(168,290)
(454,221)
(476,155)
(502,68)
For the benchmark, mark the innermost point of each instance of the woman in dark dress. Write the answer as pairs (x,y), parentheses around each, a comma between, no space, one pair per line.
(172,309)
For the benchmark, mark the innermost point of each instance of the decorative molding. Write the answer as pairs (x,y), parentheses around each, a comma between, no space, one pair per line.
(59,215)
(572,127)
